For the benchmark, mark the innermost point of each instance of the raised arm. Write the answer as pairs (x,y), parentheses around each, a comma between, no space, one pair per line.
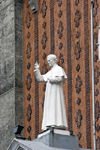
(38,75)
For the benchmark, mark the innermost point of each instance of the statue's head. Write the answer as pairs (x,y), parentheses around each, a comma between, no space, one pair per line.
(51,59)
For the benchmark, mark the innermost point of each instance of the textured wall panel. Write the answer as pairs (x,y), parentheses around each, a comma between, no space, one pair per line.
(69,63)
(10,69)
(7,118)
(87,75)
(60,27)
(96,22)
(36,83)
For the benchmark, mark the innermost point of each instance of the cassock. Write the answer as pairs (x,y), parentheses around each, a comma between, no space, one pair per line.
(54,114)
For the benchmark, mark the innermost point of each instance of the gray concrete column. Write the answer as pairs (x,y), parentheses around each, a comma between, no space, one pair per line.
(11,69)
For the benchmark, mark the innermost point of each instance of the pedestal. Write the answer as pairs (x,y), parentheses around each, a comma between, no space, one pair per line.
(58,139)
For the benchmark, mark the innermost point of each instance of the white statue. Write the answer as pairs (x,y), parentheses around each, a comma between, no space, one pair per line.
(54,114)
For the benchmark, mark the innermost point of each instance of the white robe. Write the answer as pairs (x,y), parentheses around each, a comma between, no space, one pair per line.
(54,108)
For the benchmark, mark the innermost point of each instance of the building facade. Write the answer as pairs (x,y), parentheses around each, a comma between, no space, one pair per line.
(61,27)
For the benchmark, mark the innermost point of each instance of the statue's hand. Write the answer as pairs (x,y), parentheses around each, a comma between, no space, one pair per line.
(50,80)
(36,65)
(55,80)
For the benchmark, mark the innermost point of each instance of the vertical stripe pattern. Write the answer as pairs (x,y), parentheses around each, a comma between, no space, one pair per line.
(69,63)
(52,26)
(36,83)
(87,74)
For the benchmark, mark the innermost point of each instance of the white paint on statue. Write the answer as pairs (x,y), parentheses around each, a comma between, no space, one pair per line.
(54,114)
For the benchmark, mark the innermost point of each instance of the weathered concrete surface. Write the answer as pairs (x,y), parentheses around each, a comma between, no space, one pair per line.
(19,107)
(18,63)
(7,75)
(7,118)
(11,69)
(59,140)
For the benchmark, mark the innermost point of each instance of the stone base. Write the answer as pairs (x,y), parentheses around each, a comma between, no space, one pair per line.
(58,139)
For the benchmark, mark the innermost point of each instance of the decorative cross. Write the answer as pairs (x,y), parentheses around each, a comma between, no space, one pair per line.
(78,84)
(78,101)
(77,18)
(28,35)
(61,60)
(60,30)
(44,8)
(44,56)
(96,75)
(95,58)
(28,97)
(78,68)
(29,112)
(95,8)
(29,129)
(95,37)
(97,110)
(96,92)
(95,46)
(94,24)
(60,45)
(77,34)
(77,50)
(29,81)
(28,19)
(44,25)
(29,65)
(60,14)
(79,118)
(28,51)
(44,39)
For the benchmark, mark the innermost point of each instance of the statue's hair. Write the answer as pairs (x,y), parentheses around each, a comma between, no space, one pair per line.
(52,56)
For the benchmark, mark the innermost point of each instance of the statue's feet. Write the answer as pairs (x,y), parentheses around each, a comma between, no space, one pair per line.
(56,127)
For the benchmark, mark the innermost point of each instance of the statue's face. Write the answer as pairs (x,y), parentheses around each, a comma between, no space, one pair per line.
(51,62)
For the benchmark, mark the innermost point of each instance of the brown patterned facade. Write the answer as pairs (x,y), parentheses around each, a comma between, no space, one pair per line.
(96,22)
(62,27)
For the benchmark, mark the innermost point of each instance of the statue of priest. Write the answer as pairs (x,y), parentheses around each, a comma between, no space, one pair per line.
(54,114)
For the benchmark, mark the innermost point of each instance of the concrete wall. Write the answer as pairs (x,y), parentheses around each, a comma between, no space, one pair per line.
(11,55)
(18,63)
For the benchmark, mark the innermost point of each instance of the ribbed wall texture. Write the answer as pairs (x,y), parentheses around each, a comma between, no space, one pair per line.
(62,27)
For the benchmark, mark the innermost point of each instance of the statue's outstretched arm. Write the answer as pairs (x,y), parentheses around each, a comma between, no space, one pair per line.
(38,75)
